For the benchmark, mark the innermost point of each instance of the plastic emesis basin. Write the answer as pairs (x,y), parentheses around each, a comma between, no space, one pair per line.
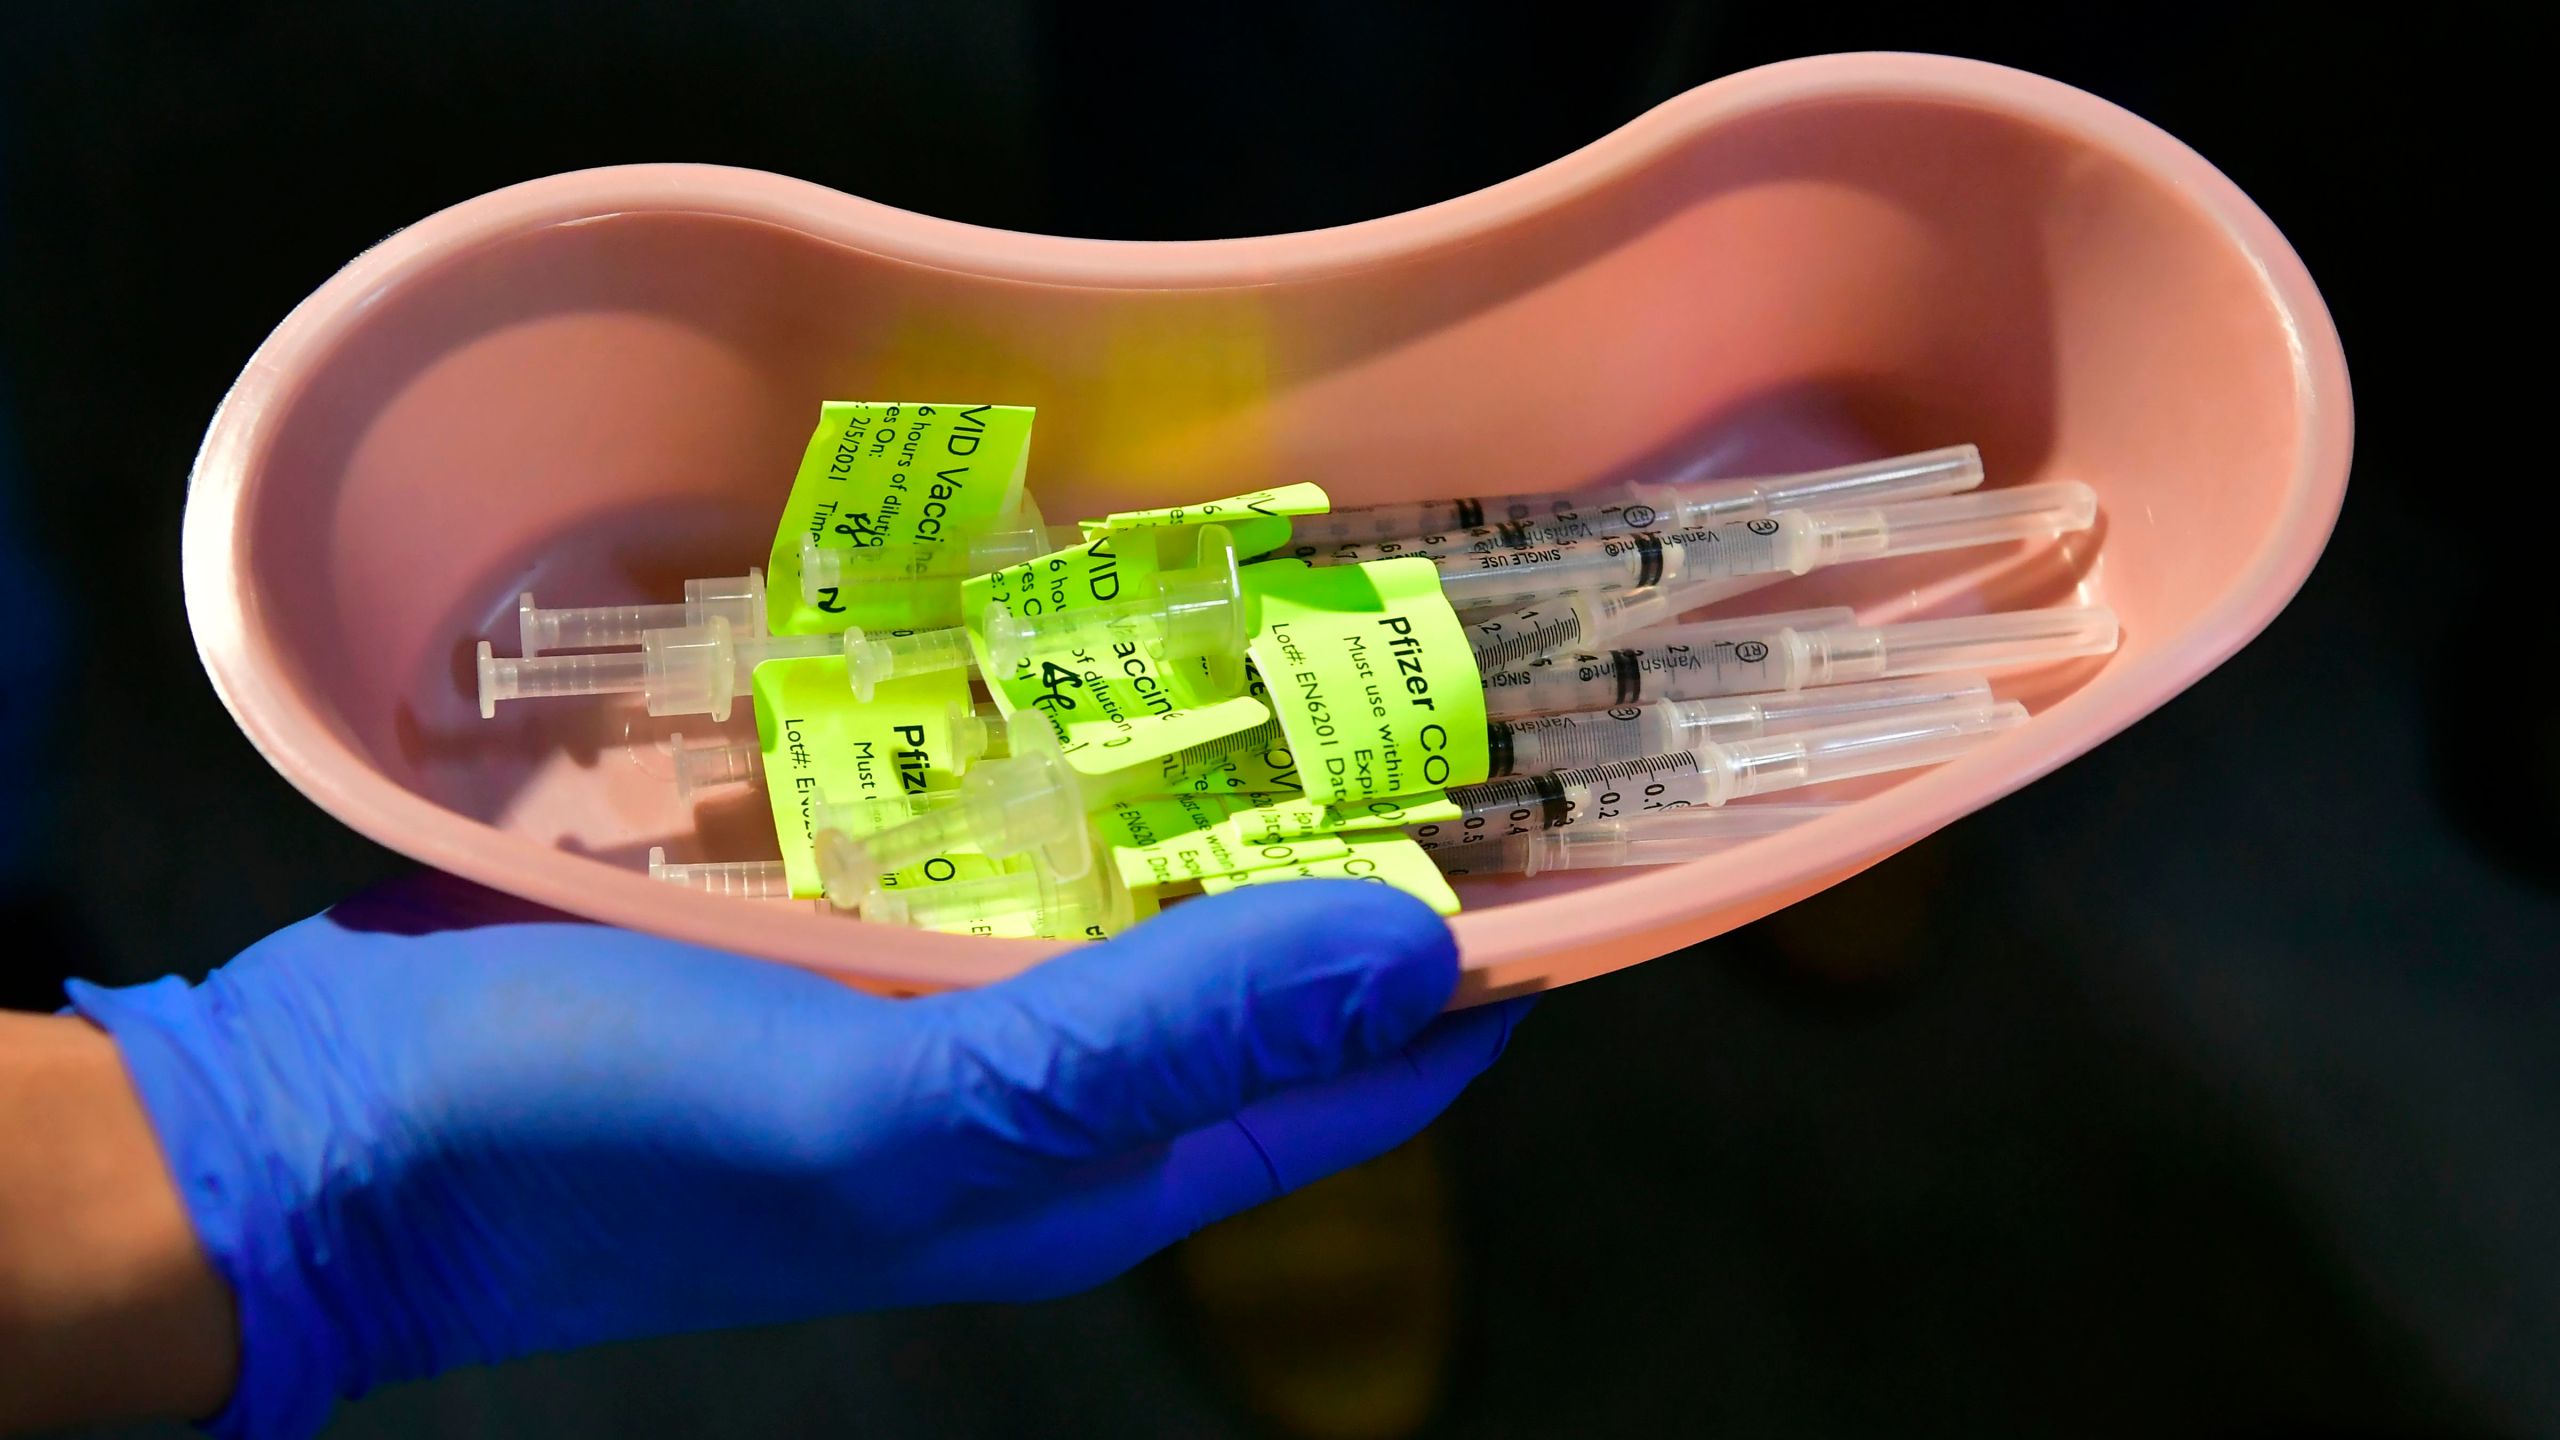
(598,384)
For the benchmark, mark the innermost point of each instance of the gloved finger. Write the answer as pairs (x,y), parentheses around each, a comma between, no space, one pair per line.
(1309,1133)
(1194,1015)
(1115,1213)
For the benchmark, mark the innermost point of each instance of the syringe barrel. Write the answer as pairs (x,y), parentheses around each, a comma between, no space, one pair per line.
(1713,774)
(1515,577)
(1510,855)
(1984,517)
(1619,509)
(1737,655)
(1013,639)
(1691,824)
(1585,738)
(1577,623)
(1579,739)
(1661,837)
(1817,757)
(1731,717)
(824,567)
(1832,654)
(1509,638)
(1945,471)
(1529,566)
(1367,524)
(1499,808)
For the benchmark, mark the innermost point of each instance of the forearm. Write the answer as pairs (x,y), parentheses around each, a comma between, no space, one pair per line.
(108,1309)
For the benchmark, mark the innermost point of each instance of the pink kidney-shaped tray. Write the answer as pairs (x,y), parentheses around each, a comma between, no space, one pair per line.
(597,384)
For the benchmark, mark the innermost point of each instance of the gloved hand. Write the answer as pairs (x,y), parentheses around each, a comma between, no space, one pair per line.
(432,1127)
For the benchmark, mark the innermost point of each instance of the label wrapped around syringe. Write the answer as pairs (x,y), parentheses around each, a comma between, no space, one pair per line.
(1370,677)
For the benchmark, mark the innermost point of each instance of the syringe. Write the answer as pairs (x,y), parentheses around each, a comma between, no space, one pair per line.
(1200,612)
(738,599)
(1714,773)
(1584,739)
(1665,837)
(825,570)
(1056,907)
(1032,800)
(1736,658)
(692,670)
(1194,612)
(1785,542)
(1617,509)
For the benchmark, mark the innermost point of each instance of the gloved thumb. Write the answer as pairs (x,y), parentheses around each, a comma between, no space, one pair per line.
(1192,1016)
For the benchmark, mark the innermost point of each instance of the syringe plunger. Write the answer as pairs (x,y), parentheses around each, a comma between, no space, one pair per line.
(693,670)
(745,879)
(738,599)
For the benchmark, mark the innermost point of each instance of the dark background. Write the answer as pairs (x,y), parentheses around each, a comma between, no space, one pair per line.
(2203,1088)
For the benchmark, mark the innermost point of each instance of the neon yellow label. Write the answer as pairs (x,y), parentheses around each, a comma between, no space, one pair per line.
(1259,521)
(1387,857)
(1288,818)
(1156,843)
(1097,572)
(822,746)
(1111,704)
(894,474)
(1182,840)
(1370,675)
(1015,921)
(1265,767)
(1105,748)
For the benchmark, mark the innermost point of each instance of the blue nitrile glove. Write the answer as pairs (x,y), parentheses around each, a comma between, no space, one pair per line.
(432,1127)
